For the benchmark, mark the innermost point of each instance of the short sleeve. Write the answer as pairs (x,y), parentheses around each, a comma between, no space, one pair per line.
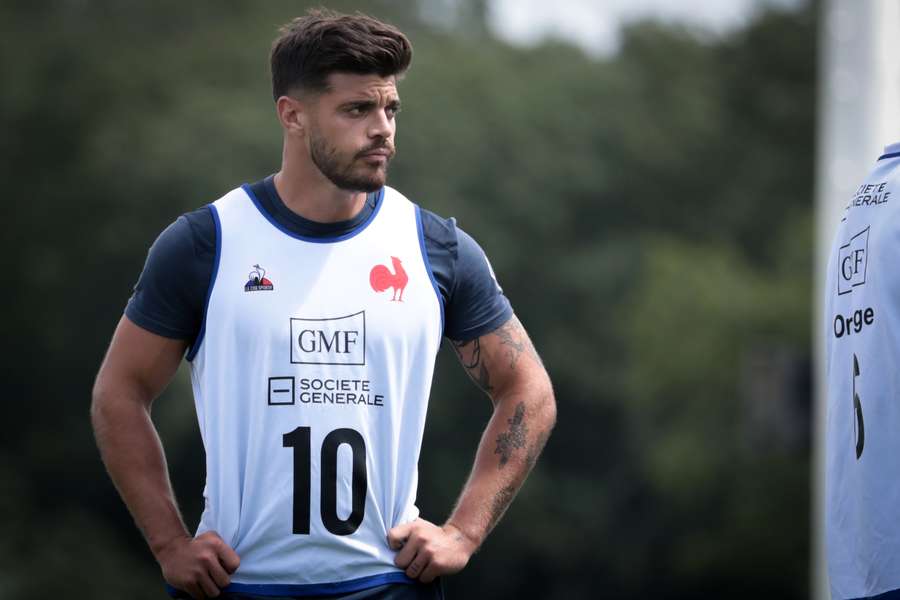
(473,301)
(170,293)
(476,305)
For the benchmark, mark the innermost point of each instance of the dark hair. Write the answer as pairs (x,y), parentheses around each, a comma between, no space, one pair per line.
(322,42)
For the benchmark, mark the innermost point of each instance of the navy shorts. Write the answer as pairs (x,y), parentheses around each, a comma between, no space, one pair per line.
(391,591)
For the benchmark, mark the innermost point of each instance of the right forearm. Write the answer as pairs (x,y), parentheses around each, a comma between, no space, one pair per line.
(134,458)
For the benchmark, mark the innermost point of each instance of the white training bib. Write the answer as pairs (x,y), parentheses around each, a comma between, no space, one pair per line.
(311,380)
(862,328)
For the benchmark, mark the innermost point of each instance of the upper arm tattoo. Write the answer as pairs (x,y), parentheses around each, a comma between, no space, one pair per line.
(469,354)
(513,342)
(513,337)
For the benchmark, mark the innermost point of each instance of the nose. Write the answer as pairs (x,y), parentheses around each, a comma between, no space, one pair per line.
(380,125)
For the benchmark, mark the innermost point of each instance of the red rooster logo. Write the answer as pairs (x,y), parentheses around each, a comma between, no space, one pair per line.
(381,278)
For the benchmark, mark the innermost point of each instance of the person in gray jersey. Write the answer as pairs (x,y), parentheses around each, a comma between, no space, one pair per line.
(861,332)
(335,88)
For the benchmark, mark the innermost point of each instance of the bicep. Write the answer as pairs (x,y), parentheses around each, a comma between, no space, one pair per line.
(502,359)
(138,360)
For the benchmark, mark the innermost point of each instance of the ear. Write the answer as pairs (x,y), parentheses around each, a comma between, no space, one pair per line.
(292,114)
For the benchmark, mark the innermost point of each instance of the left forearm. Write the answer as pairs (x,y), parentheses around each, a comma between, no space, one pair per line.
(522,420)
(505,366)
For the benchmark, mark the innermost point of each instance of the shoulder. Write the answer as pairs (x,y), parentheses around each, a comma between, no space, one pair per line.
(190,235)
(203,229)
(474,303)
(169,294)
(441,232)
(241,197)
(435,228)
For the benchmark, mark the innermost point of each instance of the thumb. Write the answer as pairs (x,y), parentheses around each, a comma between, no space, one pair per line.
(229,558)
(398,535)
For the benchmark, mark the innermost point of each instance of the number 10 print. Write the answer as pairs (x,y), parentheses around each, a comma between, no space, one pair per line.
(299,440)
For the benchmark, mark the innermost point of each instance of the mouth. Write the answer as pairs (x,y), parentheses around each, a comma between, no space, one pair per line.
(377,153)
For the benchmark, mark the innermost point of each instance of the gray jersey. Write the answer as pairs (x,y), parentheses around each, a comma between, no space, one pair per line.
(862,328)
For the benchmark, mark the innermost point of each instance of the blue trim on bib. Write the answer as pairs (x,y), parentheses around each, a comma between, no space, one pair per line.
(891,595)
(310,589)
(437,290)
(195,347)
(889,155)
(315,240)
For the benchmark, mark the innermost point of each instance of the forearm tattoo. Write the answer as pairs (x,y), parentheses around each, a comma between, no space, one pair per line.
(500,503)
(526,431)
(503,498)
(515,438)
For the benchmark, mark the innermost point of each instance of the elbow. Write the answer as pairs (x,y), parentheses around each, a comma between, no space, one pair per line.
(107,398)
(548,406)
(114,398)
(536,393)
(542,401)
(100,405)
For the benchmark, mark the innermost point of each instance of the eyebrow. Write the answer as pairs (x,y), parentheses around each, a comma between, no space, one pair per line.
(366,104)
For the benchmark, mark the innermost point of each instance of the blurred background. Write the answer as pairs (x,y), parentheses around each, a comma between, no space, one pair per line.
(641,175)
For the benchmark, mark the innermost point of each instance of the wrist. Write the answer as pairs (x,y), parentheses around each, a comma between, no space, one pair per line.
(469,542)
(161,547)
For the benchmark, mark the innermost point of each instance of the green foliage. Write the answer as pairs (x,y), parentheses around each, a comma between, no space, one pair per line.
(648,215)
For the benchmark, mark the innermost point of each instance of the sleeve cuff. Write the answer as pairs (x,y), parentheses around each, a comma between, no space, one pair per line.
(483,328)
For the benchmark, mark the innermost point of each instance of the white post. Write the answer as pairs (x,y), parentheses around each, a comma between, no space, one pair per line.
(859,113)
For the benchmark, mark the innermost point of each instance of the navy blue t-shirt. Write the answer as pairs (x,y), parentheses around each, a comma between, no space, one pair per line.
(173,306)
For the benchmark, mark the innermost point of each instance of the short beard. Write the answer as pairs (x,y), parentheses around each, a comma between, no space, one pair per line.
(327,161)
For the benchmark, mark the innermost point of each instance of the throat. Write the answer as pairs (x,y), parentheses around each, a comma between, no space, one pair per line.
(318,203)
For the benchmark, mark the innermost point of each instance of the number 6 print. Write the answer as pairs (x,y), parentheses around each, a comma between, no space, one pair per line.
(859,428)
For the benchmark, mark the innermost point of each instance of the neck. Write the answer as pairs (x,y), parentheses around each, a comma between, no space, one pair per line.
(305,191)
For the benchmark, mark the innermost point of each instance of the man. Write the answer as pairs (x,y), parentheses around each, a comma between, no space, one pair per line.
(311,306)
(862,356)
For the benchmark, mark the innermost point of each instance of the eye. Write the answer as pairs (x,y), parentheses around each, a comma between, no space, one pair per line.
(392,109)
(356,111)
